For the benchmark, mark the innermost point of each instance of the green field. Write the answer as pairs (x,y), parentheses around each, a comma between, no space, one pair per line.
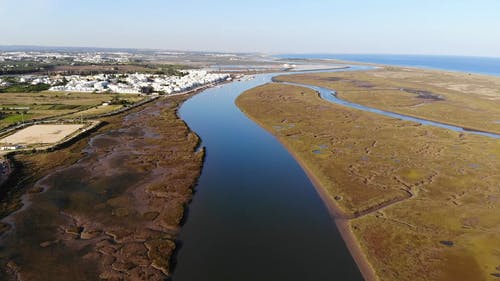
(28,106)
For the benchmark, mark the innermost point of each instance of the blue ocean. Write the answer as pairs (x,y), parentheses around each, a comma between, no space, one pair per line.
(480,65)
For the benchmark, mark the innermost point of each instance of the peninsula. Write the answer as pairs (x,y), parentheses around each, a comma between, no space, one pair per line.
(414,202)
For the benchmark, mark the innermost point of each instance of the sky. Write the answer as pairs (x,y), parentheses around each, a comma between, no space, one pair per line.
(443,27)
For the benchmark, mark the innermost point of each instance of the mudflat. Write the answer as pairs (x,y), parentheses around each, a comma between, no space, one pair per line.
(420,202)
(107,207)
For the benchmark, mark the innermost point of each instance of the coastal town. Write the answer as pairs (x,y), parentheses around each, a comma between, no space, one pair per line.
(134,83)
(109,94)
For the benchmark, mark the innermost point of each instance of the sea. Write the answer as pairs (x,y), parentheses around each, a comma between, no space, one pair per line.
(479,65)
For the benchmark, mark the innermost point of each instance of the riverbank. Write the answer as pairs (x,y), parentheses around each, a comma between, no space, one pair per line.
(93,120)
(341,217)
(264,216)
(352,155)
(129,184)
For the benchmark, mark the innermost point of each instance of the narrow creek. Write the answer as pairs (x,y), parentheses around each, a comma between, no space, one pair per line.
(256,215)
(331,96)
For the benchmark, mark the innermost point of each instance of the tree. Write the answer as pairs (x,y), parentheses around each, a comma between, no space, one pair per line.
(147,90)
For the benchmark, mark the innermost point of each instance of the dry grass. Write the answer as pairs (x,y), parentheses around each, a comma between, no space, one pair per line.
(470,101)
(412,189)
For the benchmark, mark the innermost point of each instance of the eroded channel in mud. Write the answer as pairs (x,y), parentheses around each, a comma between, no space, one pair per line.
(114,213)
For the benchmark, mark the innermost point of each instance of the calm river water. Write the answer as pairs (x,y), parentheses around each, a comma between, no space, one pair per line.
(255,215)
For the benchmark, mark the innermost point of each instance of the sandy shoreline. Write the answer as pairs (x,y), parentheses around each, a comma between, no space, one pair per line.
(340,217)
(342,222)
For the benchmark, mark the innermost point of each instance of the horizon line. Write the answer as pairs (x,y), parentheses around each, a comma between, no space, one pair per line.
(240,52)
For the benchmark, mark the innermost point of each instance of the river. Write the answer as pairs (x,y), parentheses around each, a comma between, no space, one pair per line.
(255,214)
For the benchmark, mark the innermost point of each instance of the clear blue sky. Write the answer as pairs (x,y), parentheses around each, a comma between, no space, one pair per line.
(456,27)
